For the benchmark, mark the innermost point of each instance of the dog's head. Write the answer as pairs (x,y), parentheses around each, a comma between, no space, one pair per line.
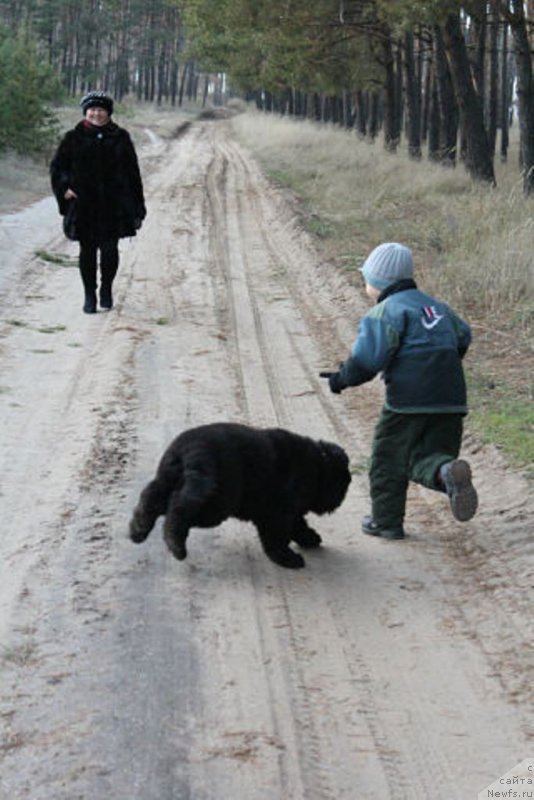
(334,477)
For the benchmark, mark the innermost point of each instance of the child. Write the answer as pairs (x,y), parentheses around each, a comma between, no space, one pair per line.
(418,343)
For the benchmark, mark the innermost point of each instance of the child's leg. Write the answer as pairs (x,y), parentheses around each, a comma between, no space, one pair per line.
(390,466)
(434,464)
(439,442)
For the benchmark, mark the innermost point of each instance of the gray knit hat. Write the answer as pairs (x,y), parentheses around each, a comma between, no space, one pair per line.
(100,99)
(386,264)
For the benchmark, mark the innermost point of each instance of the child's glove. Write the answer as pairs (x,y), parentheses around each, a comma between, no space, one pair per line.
(335,381)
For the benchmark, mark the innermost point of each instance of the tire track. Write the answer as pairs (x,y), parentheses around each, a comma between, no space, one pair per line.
(259,238)
(310,741)
(488,565)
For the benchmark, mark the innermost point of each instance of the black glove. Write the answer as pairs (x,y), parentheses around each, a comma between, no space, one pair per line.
(335,381)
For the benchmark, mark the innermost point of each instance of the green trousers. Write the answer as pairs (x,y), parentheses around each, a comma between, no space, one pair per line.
(409,447)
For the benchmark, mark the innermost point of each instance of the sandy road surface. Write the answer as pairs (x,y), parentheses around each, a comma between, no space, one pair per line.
(382,670)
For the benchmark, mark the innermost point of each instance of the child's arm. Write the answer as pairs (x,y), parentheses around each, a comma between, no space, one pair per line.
(374,345)
(463,333)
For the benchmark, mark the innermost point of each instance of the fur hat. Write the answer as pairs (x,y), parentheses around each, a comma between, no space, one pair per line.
(386,264)
(99,99)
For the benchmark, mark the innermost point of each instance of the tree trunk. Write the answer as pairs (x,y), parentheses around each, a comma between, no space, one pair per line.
(413,104)
(493,88)
(429,88)
(361,113)
(391,132)
(185,70)
(174,79)
(434,121)
(206,89)
(505,95)
(478,161)
(479,29)
(373,115)
(399,95)
(525,92)
(161,82)
(448,108)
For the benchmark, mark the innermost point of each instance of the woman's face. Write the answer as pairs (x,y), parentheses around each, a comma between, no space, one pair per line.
(97,116)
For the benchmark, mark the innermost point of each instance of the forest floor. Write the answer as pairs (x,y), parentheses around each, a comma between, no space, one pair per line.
(383,670)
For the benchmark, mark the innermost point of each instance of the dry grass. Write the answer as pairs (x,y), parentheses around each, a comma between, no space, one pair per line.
(472,244)
(22,181)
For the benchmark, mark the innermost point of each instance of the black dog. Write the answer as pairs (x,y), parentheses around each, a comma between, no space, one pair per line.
(270,477)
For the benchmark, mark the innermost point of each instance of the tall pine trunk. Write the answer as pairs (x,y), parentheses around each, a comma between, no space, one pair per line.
(413,99)
(478,156)
(391,131)
(525,92)
(505,96)
(434,119)
(448,107)
(493,83)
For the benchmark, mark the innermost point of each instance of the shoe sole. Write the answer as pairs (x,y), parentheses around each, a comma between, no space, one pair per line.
(384,534)
(463,496)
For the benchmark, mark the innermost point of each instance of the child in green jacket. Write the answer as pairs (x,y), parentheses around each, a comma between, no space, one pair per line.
(417,343)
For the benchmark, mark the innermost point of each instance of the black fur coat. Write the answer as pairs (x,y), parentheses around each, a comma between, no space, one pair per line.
(100,165)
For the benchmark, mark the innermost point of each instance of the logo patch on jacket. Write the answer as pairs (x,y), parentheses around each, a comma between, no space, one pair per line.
(430,317)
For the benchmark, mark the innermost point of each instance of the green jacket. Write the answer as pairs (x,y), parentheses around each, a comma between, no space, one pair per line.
(417,343)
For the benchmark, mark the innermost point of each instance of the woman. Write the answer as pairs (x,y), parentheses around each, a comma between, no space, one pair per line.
(96,180)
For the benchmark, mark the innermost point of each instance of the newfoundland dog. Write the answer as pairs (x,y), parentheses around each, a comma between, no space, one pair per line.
(271,477)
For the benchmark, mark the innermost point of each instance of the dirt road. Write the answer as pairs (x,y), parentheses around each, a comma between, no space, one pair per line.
(382,671)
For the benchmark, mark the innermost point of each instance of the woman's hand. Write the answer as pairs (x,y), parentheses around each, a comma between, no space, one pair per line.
(70,195)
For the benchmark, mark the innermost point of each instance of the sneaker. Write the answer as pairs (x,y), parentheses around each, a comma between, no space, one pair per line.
(106,298)
(370,526)
(456,477)
(89,305)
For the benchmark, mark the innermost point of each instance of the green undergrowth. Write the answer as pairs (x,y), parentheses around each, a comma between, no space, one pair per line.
(497,416)
(56,258)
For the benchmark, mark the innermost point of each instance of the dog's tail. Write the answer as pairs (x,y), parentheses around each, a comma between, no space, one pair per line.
(152,504)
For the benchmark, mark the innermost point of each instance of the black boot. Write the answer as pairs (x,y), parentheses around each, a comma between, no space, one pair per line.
(89,305)
(87,262)
(106,298)
(109,264)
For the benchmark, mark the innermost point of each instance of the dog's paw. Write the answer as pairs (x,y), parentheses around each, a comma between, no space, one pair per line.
(307,538)
(178,549)
(287,558)
(137,532)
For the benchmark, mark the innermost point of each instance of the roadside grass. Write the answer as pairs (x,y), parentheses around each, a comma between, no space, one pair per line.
(57,258)
(52,328)
(42,329)
(23,180)
(501,418)
(19,655)
(473,246)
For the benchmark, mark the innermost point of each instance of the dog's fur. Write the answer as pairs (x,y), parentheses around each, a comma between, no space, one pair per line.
(270,477)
